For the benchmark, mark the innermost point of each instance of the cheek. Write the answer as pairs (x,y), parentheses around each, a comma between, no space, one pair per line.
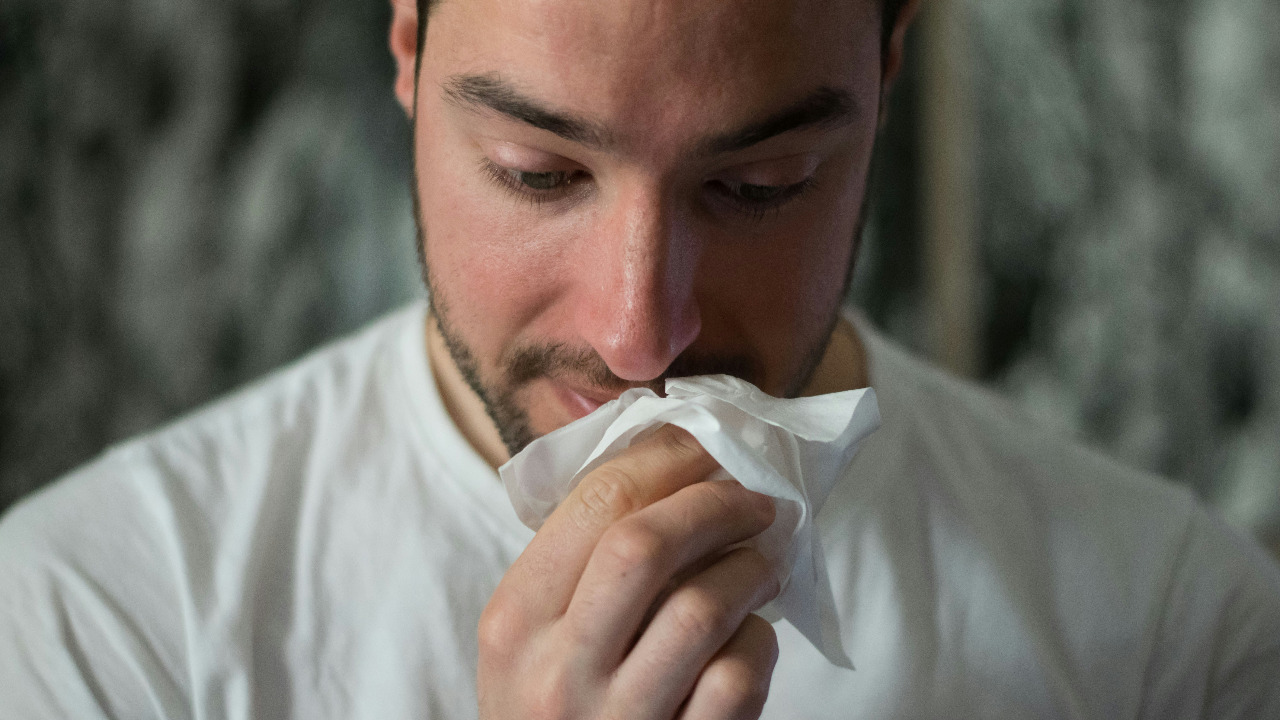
(494,267)
(777,297)
(823,248)
(800,271)
(793,287)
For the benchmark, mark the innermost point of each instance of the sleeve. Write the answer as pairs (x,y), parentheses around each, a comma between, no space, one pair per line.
(84,607)
(1218,652)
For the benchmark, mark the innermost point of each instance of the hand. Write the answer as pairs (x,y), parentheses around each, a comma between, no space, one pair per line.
(626,603)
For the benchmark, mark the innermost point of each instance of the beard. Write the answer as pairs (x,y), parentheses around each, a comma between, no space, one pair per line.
(524,364)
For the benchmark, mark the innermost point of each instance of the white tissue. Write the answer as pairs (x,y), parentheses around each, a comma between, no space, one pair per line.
(791,450)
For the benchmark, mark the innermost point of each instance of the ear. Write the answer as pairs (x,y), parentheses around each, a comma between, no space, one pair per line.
(894,51)
(404,48)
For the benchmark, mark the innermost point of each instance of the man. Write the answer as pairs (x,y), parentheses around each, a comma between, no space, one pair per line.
(610,193)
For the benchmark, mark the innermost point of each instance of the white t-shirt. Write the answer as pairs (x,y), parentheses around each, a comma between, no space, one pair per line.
(321,544)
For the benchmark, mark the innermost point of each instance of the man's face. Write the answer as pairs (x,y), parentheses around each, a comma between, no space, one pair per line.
(611,192)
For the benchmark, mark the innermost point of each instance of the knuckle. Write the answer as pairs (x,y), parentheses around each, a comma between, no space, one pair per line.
(754,560)
(632,545)
(697,613)
(740,502)
(678,442)
(736,685)
(549,697)
(727,494)
(759,568)
(611,493)
(501,629)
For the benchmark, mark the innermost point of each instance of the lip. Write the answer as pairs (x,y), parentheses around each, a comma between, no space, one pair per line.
(579,401)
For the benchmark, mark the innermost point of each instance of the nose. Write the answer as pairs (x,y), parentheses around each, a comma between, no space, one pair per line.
(637,308)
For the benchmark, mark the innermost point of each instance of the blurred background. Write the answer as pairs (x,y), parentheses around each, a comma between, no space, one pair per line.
(1077,203)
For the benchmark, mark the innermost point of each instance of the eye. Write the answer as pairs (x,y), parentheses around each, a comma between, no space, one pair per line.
(760,193)
(541,180)
(756,200)
(535,187)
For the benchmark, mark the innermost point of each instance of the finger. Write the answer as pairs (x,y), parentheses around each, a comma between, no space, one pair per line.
(638,556)
(735,684)
(667,461)
(690,627)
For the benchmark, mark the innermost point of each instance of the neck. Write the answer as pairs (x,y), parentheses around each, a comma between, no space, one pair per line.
(843,365)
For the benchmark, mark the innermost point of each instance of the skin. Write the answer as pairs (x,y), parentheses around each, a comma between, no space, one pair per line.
(568,262)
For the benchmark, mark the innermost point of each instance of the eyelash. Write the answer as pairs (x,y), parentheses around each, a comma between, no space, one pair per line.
(755,210)
(504,178)
(759,209)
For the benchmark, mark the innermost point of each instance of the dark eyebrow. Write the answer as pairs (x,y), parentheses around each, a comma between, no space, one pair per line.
(491,92)
(825,107)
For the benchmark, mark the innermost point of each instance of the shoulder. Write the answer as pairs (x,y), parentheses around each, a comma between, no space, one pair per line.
(282,428)
(1217,644)
(967,442)
(81,563)
(1003,470)
(1143,592)
(109,574)
(341,383)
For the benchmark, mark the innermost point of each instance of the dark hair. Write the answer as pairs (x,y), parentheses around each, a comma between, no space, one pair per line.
(888,18)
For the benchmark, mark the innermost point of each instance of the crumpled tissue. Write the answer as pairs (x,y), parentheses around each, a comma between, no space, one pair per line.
(793,450)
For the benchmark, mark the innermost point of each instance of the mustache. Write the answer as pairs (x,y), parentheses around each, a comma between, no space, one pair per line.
(529,363)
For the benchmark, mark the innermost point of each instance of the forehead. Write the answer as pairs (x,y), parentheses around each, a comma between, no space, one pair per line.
(664,65)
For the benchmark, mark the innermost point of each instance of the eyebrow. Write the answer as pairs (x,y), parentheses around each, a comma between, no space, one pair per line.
(491,92)
(825,107)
